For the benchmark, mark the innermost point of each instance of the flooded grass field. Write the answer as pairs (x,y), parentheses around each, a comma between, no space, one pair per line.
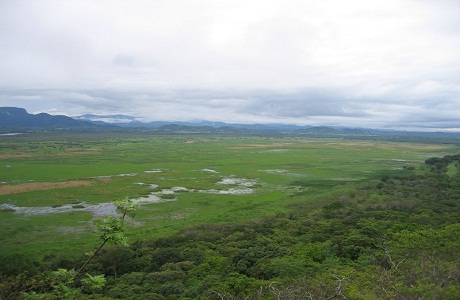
(53,188)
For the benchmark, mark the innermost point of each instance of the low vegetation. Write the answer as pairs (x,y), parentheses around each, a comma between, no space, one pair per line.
(327,219)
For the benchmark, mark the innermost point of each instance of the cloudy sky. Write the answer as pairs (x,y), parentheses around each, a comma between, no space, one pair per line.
(359,63)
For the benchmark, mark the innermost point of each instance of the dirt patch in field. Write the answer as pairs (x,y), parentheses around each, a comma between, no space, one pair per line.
(428,147)
(6,156)
(79,151)
(259,146)
(383,146)
(6,189)
(62,153)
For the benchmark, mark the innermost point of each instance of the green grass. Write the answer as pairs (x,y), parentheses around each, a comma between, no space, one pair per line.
(286,171)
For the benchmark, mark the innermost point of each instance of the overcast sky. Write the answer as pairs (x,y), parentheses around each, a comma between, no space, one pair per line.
(359,63)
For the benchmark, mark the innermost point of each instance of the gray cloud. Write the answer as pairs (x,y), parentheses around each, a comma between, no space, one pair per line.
(392,64)
(299,107)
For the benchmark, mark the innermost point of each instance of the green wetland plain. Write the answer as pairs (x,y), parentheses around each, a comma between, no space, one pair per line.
(54,187)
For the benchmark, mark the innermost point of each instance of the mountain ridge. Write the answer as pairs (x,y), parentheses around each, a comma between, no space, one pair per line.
(15,118)
(20,118)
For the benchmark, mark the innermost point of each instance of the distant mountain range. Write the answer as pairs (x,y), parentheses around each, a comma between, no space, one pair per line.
(103,119)
(130,121)
(18,119)
(209,126)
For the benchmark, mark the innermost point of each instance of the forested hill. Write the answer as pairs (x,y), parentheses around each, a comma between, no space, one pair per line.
(395,239)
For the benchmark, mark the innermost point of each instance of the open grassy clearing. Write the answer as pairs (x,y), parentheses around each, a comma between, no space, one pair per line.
(198,179)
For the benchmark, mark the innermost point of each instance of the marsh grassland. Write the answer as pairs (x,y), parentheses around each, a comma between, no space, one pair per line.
(53,187)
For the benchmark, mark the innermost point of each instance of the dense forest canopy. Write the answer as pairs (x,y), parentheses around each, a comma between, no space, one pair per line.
(396,239)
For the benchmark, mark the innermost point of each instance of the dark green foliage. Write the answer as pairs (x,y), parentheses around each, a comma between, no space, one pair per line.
(17,264)
(440,165)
